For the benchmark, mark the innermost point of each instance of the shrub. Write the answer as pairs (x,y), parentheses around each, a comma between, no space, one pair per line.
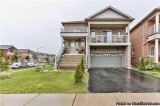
(78,75)
(5,75)
(158,68)
(15,56)
(82,65)
(141,65)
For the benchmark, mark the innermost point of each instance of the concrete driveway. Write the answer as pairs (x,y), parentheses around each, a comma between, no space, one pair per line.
(109,80)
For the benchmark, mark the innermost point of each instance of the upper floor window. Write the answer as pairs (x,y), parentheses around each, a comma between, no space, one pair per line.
(77,29)
(92,34)
(152,49)
(82,44)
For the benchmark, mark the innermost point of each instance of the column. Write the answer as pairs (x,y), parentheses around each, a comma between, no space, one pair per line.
(156,51)
(128,31)
(86,50)
(157,23)
(61,41)
(89,56)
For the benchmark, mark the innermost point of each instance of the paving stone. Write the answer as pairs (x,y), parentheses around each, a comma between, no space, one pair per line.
(95,99)
(137,97)
(15,99)
(53,100)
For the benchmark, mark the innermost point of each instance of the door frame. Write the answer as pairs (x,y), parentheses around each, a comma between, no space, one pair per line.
(75,44)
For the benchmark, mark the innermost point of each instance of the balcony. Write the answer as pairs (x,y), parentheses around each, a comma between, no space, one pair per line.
(152,30)
(74,31)
(109,40)
(152,34)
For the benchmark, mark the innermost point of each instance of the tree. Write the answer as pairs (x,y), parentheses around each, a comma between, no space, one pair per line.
(4,63)
(78,74)
(47,60)
(141,65)
(15,56)
(27,58)
(82,65)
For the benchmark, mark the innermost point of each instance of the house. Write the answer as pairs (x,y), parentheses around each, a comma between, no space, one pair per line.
(23,53)
(103,39)
(8,51)
(145,37)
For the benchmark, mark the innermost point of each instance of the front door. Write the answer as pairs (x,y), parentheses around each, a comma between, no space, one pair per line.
(73,47)
(107,36)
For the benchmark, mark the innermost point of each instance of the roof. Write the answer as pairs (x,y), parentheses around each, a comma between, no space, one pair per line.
(146,17)
(6,46)
(73,22)
(110,7)
(23,50)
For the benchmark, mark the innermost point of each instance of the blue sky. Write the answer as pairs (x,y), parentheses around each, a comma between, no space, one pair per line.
(32,24)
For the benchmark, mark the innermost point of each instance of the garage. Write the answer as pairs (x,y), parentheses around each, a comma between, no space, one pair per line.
(106,60)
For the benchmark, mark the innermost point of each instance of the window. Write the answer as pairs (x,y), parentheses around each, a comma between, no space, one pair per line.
(83,44)
(77,29)
(133,52)
(152,49)
(92,34)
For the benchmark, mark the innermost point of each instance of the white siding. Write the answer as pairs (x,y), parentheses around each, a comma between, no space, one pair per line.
(109,14)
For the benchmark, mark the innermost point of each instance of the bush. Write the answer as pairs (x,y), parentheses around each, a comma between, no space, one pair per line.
(78,75)
(158,68)
(82,65)
(5,75)
(141,65)
(150,66)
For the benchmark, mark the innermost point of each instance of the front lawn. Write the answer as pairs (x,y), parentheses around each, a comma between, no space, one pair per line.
(155,73)
(29,81)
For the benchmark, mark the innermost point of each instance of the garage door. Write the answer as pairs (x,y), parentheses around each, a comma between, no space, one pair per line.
(106,60)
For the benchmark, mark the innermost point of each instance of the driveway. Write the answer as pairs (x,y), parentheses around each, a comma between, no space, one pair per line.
(111,80)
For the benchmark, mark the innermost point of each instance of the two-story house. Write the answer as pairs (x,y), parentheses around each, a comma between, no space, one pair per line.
(23,53)
(145,37)
(103,39)
(8,51)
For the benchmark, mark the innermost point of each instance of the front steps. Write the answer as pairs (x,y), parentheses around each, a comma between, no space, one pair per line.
(70,62)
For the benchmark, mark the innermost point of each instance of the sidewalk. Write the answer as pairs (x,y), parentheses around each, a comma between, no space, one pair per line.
(88,99)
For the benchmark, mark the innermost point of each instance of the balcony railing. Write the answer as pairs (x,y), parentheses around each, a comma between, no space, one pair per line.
(152,30)
(74,29)
(109,39)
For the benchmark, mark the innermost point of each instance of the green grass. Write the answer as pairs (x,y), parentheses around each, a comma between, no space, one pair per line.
(29,81)
(155,73)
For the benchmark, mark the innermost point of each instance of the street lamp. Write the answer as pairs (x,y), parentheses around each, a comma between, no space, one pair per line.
(38,53)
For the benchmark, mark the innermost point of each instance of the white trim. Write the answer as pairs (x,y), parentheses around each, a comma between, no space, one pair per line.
(110,7)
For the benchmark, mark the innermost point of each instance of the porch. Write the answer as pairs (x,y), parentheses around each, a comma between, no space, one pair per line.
(109,34)
(74,45)
(154,50)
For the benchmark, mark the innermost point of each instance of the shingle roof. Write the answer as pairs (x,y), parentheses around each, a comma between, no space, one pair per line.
(146,17)
(6,46)
(23,50)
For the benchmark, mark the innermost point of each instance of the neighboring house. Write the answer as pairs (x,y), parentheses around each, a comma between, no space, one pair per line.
(51,57)
(23,53)
(145,38)
(102,38)
(8,51)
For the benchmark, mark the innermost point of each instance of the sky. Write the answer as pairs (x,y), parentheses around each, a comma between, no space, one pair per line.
(31,24)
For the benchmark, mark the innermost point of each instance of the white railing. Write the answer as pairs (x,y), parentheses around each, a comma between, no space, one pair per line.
(109,39)
(74,29)
(152,30)
(57,58)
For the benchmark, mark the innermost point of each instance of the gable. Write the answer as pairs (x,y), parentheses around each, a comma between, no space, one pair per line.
(109,14)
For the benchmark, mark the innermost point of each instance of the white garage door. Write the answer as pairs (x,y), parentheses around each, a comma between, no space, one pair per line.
(106,60)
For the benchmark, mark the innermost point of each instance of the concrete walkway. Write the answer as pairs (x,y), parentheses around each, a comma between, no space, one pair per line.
(88,99)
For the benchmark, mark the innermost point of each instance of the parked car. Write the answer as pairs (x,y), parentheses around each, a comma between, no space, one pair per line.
(18,65)
(30,64)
